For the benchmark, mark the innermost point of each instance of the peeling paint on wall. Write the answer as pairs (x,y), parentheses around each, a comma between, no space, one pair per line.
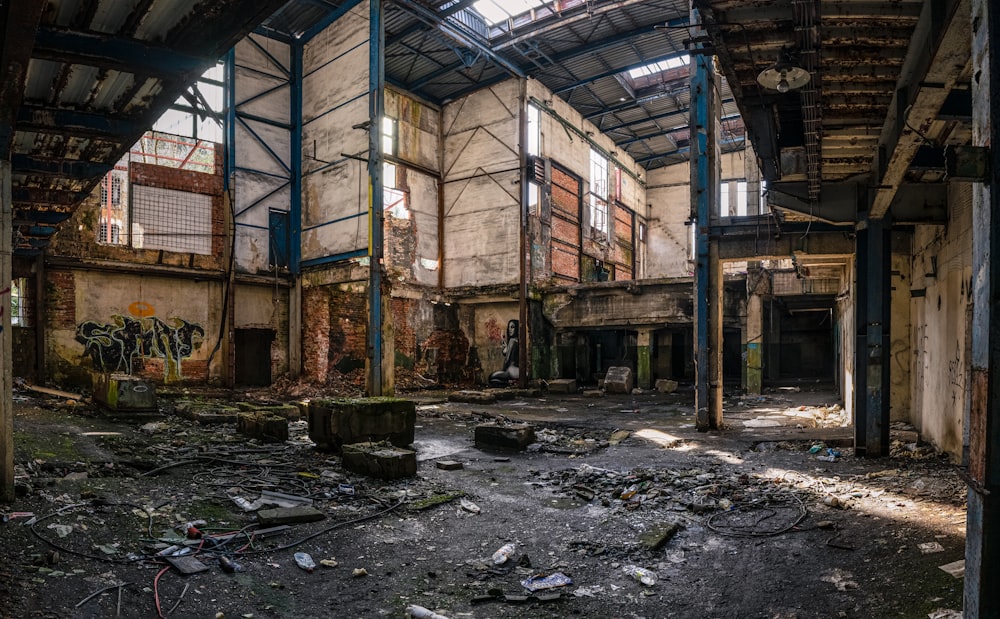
(118,345)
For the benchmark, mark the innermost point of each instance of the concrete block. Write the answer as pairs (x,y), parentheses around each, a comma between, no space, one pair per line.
(263,425)
(449,465)
(124,394)
(593,393)
(562,385)
(515,436)
(379,460)
(336,422)
(213,416)
(619,380)
(289,515)
(665,385)
(473,397)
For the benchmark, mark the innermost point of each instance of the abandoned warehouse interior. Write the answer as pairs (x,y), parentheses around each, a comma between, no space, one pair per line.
(719,198)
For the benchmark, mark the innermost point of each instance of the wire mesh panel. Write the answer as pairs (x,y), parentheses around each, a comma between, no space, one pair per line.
(171,220)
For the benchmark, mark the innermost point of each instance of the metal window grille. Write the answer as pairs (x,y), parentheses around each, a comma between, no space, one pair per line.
(172,220)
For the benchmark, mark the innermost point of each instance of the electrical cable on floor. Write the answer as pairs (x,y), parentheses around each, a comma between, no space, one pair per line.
(78,553)
(770,511)
(156,591)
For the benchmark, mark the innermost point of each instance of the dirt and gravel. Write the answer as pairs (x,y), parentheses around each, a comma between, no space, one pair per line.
(747,522)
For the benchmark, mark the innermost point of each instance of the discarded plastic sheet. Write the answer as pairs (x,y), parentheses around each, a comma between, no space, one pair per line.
(469,506)
(283,500)
(553,580)
(945,613)
(419,612)
(930,547)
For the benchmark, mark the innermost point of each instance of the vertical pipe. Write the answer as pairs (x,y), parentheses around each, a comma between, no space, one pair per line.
(376,111)
(6,341)
(982,546)
(229,78)
(523,364)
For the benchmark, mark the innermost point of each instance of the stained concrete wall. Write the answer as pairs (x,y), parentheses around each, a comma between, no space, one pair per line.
(412,239)
(846,330)
(669,196)
(335,100)
(263,306)
(482,193)
(262,150)
(941,313)
(900,355)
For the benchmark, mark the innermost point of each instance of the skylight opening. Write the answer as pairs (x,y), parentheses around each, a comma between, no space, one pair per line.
(497,11)
(659,67)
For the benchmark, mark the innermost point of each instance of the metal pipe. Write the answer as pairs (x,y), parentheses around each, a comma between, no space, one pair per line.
(523,363)
(376,111)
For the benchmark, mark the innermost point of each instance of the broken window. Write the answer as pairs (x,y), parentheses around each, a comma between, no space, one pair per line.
(114,203)
(393,198)
(534,130)
(19,303)
(598,194)
(533,193)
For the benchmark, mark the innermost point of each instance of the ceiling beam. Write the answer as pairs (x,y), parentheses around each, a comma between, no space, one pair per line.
(938,55)
(111,52)
(20,20)
(65,168)
(459,33)
(327,21)
(613,70)
(74,122)
(51,197)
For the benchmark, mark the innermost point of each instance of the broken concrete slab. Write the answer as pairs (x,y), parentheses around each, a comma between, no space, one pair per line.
(473,397)
(336,422)
(515,436)
(562,385)
(665,385)
(658,536)
(289,515)
(125,395)
(619,379)
(449,465)
(205,414)
(288,411)
(263,425)
(379,460)
(593,393)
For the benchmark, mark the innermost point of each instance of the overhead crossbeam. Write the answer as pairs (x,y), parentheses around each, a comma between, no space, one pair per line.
(112,52)
(938,53)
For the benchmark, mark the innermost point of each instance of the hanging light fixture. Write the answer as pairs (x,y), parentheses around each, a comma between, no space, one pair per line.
(784,75)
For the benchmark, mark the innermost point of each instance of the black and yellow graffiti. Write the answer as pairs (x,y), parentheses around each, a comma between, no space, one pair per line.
(118,345)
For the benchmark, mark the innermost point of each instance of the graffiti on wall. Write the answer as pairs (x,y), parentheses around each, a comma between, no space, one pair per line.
(118,345)
(509,348)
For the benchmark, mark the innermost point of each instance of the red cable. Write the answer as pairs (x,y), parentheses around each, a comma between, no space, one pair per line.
(156,591)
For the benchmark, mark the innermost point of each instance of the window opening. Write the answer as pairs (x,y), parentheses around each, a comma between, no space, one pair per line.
(598,192)
(19,303)
(534,130)
(533,193)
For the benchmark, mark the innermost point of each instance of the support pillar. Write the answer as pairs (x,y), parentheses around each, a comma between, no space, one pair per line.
(704,194)
(982,537)
(716,293)
(871,420)
(644,365)
(6,339)
(754,332)
(380,354)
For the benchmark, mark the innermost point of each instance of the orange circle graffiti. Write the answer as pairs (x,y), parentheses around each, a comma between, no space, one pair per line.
(141,309)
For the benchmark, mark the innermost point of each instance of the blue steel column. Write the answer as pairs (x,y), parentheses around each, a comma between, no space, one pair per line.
(982,537)
(376,105)
(700,106)
(295,206)
(872,314)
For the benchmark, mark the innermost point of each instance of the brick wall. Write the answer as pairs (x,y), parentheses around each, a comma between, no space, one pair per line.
(335,324)
(163,177)
(61,299)
(316,333)
(407,353)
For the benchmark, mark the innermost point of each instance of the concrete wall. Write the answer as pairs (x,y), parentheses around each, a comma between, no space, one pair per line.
(900,355)
(412,240)
(846,330)
(335,100)
(262,151)
(668,194)
(940,312)
(482,193)
(263,306)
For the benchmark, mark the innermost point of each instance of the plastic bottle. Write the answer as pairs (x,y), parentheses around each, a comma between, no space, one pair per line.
(419,612)
(641,574)
(503,554)
(303,560)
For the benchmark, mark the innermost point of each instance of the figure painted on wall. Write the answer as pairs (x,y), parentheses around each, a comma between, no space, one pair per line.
(510,350)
